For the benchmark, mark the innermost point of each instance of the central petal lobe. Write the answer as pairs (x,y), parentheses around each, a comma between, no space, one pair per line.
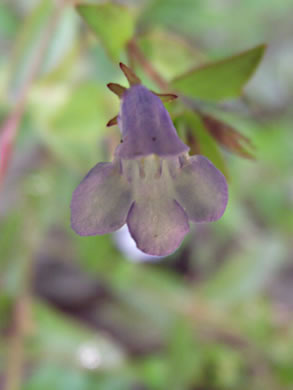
(156,221)
(159,227)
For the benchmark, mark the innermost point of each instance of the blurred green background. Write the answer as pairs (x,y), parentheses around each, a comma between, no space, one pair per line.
(84,313)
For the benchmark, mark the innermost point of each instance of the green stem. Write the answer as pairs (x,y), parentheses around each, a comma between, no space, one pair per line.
(9,130)
(22,308)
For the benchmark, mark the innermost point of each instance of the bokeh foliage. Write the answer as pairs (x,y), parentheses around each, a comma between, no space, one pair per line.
(80,311)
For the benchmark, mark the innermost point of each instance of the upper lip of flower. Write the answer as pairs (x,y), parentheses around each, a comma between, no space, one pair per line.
(146,126)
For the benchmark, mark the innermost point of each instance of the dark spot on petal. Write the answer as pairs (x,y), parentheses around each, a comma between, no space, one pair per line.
(121,141)
(154,138)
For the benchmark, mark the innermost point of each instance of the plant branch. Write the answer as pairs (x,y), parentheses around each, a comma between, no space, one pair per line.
(135,52)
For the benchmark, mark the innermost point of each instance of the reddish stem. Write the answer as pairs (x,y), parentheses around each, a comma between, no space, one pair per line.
(136,53)
(8,134)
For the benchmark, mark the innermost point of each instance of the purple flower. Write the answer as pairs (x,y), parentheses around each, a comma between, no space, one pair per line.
(152,185)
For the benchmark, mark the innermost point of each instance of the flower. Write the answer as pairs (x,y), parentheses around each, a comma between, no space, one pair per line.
(152,185)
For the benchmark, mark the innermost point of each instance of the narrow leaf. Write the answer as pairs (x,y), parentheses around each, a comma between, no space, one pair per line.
(174,15)
(112,23)
(222,79)
(204,142)
(166,97)
(227,136)
(245,274)
(113,121)
(129,74)
(117,89)
(27,43)
(45,25)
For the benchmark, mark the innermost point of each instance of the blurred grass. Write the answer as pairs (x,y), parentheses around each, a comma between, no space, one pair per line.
(215,315)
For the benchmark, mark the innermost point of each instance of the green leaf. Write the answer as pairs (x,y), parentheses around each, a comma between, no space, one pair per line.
(169,60)
(246,273)
(183,356)
(31,37)
(228,136)
(27,42)
(207,145)
(112,23)
(222,79)
(172,14)
(8,21)
(154,372)
(55,376)
(73,130)
(10,231)
(58,337)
